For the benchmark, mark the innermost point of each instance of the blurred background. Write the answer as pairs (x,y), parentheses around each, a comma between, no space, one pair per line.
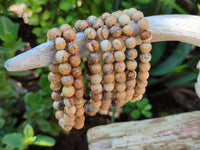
(26,115)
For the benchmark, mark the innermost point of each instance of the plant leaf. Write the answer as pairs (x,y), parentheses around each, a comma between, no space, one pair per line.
(28,131)
(42,140)
(14,140)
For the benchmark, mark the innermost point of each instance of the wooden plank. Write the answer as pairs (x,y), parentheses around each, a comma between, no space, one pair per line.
(175,132)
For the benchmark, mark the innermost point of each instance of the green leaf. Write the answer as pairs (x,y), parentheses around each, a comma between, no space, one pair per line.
(173,61)
(28,131)
(44,83)
(42,140)
(44,125)
(148,107)
(126,4)
(46,15)
(20,73)
(65,5)
(135,114)
(148,114)
(1,111)
(14,140)
(34,20)
(2,122)
(6,91)
(144,1)
(33,100)
(2,78)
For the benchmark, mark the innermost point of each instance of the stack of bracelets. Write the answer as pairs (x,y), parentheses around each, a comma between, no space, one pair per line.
(110,68)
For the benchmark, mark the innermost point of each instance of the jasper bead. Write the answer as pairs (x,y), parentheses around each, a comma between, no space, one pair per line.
(69,35)
(83,24)
(67,80)
(139,90)
(55,86)
(137,16)
(131,65)
(79,112)
(96,96)
(96,88)
(130,42)
(119,56)
(108,86)
(64,126)
(145,57)
(143,24)
(55,96)
(131,75)
(131,54)
(109,77)
(107,57)
(115,31)
(145,47)
(121,95)
(129,94)
(75,60)
(97,23)
(128,30)
(57,105)
(79,126)
(123,19)
(120,77)
(87,77)
(79,93)
(69,120)
(102,33)
(105,45)
(53,68)
(130,84)
(59,114)
(143,75)
(90,33)
(59,43)
(120,87)
(94,58)
(61,56)
(68,91)
(117,44)
(92,46)
(69,101)
(54,33)
(78,83)
(96,104)
(76,72)
(70,111)
(142,83)
(73,48)
(64,68)
(105,15)
(65,27)
(145,35)
(144,66)
(91,19)
(107,68)
(96,79)
(95,68)
(105,107)
(54,77)
(137,98)
(107,95)
(119,66)
(110,21)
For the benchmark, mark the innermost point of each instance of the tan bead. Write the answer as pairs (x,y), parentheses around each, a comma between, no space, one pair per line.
(119,102)
(145,57)
(65,126)
(107,57)
(69,35)
(70,111)
(57,105)
(65,27)
(119,56)
(73,48)
(121,95)
(83,24)
(64,68)
(139,91)
(129,94)
(119,66)
(117,44)
(56,96)
(128,30)
(105,45)
(96,88)
(54,77)
(120,87)
(142,83)
(68,91)
(143,75)
(120,77)
(106,101)
(130,84)
(79,112)
(130,11)
(143,24)
(89,85)
(131,75)
(145,47)
(107,95)
(69,101)
(76,72)
(105,15)
(67,80)
(59,114)
(96,79)
(92,46)
(107,68)
(131,54)
(96,96)
(76,25)
(110,21)
(96,104)
(137,98)
(145,35)
(75,60)
(123,19)
(109,77)
(130,42)
(108,86)
(91,19)
(69,120)
(95,68)
(80,103)
(79,93)
(90,33)
(61,56)
(117,13)
(79,126)
(94,58)
(78,83)
(53,68)
(59,43)
(55,86)
(97,23)
(131,65)
(105,107)
(144,66)
(115,31)
(137,16)
(102,33)
(87,77)
(54,33)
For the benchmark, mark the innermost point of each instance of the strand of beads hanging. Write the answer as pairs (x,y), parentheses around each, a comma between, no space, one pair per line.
(110,68)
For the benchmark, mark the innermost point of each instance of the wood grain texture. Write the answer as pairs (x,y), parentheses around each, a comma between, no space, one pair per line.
(175,132)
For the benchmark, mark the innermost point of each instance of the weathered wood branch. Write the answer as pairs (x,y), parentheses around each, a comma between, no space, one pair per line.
(176,132)
(184,28)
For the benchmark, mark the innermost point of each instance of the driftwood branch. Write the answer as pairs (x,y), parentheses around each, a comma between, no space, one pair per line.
(176,132)
(184,28)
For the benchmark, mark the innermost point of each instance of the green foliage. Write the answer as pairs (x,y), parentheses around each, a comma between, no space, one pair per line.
(138,109)
(22,141)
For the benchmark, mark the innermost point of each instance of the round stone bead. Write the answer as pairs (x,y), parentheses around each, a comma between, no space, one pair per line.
(53,68)
(142,83)
(64,68)
(59,114)
(107,57)
(130,84)
(131,65)
(130,42)
(94,58)
(144,66)
(124,19)
(145,47)
(55,86)
(97,23)
(59,43)
(79,112)
(137,16)
(69,35)
(76,72)
(55,96)
(69,101)
(90,33)
(95,68)
(128,30)
(102,33)
(143,24)
(120,77)
(96,96)
(131,54)
(68,91)
(119,56)
(96,88)
(65,27)
(58,105)
(69,120)
(120,87)
(143,75)
(107,68)
(96,104)
(137,98)
(107,95)
(61,56)
(119,66)
(67,80)
(78,83)
(145,57)
(145,35)
(73,48)
(105,45)
(78,125)
(70,111)
(105,15)
(115,31)
(131,75)
(91,19)
(54,33)
(76,25)
(108,86)
(121,95)
(83,24)
(96,79)
(117,44)
(64,126)
(129,94)
(92,46)
(109,78)
(75,60)
(139,91)
(54,77)
(110,21)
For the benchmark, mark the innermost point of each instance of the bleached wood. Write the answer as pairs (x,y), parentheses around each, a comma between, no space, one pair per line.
(175,132)
(184,28)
